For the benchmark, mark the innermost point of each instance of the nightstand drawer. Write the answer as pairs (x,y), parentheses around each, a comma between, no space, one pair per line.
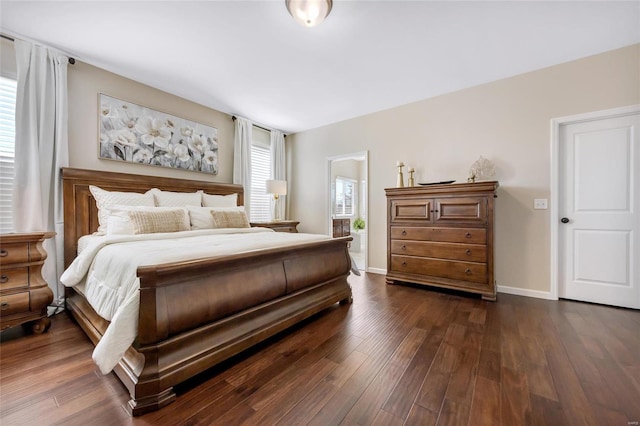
(14,303)
(14,277)
(14,253)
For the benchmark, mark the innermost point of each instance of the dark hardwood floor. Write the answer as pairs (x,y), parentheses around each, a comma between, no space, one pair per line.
(398,355)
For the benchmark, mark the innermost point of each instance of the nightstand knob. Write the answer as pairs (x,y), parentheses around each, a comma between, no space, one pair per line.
(4,305)
(3,253)
(467,271)
(4,279)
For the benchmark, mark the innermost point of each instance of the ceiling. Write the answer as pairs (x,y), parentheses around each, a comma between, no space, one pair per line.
(251,59)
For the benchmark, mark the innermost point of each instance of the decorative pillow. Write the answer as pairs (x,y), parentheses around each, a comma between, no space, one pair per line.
(176,199)
(201,216)
(120,222)
(209,200)
(106,199)
(230,219)
(151,222)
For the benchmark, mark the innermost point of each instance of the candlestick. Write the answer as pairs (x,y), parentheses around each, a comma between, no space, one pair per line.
(400,181)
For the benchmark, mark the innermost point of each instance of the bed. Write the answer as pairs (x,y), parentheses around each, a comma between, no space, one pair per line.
(178,338)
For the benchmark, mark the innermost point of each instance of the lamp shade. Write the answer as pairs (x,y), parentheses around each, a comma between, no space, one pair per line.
(277,187)
(309,12)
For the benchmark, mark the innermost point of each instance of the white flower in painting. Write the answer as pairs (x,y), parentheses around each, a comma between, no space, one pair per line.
(187,132)
(104,138)
(179,151)
(198,144)
(210,157)
(213,143)
(153,131)
(142,156)
(124,137)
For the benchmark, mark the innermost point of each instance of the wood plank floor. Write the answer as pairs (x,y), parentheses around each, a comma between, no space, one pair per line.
(398,355)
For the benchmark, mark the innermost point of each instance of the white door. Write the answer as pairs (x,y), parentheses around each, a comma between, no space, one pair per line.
(599,207)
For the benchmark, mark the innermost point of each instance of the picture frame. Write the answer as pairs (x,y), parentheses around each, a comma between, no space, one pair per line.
(137,134)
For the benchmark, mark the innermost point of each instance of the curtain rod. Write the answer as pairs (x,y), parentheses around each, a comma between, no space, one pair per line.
(71,60)
(234,118)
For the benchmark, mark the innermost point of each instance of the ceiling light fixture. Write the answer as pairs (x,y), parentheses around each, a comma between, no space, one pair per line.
(309,12)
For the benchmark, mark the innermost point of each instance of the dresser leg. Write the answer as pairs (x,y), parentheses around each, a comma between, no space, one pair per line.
(390,282)
(489,297)
(41,325)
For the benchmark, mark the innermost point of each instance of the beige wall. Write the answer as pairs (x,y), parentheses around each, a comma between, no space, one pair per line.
(507,121)
(86,81)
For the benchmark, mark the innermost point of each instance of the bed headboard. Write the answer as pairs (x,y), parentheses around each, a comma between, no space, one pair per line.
(81,212)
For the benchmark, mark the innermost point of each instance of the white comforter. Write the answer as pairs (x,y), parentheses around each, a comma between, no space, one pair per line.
(108,264)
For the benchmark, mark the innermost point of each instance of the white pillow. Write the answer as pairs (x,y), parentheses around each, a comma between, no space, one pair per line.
(209,200)
(176,199)
(119,221)
(201,216)
(106,199)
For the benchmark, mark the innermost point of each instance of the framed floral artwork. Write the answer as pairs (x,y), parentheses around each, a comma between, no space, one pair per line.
(137,134)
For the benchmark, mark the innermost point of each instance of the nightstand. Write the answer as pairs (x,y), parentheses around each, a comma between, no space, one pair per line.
(278,225)
(24,294)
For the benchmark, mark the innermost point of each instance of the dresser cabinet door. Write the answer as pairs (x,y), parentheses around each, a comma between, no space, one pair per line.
(411,210)
(461,210)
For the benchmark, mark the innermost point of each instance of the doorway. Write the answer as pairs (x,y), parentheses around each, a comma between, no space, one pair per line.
(347,206)
(596,220)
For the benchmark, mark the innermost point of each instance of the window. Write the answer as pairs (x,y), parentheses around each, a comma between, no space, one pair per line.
(344,197)
(260,172)
(7,149)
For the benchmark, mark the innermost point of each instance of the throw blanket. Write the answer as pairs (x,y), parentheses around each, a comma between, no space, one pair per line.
(108,266)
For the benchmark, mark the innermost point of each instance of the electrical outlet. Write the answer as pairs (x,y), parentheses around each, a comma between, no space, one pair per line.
(540,203)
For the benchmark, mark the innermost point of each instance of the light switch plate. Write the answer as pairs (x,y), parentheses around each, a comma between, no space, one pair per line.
(540,203)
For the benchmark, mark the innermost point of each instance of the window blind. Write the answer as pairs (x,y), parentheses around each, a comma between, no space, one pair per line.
(7,149)
(344,197)
(260,172)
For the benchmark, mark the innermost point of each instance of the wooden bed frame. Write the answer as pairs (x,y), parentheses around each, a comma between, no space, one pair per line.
(179,338)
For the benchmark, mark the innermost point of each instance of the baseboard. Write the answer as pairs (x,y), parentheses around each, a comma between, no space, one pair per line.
(525,292)
(377,271)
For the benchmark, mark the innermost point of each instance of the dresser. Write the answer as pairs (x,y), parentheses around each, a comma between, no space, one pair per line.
(341,228)
(278,225)
(442,236)
(24,294)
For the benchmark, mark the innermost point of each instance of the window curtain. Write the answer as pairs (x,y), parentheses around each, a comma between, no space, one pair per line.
(41,150)
(242,159)
(279,168)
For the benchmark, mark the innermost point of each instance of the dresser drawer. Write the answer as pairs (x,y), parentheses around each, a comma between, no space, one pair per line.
(450,235)
(14,303)
(14,253)
(453,251)
(464,271)
(14,277)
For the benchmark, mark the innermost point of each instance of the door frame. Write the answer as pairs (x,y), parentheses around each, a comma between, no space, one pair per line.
(328,215)
(556,165)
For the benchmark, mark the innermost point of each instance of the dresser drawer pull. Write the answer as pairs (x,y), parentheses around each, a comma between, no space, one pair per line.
(467,271)
(404,263)
(468,252)
(404,232)
(468,235)
(3,279)
(4,253)
(4,305)
(404,247)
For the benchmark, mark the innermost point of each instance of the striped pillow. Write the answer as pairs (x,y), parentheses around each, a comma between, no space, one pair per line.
(151,222)
(230,219)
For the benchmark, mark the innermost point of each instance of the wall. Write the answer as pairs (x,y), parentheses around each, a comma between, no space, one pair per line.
(86,81)
(507,121)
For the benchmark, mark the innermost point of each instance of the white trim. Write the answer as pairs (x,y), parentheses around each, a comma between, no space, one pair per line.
(377,271)
(555,180)
(526,292)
